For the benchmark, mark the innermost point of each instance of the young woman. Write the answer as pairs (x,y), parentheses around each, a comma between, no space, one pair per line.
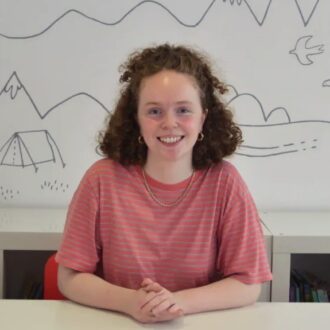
(163,226)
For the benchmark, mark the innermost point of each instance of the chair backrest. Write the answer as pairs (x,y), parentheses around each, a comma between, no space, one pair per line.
(51,290)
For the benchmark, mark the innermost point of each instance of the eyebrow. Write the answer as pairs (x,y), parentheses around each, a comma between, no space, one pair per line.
(159,103)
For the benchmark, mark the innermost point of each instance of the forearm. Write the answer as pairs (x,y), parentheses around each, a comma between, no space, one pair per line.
(89,289)
(227,293)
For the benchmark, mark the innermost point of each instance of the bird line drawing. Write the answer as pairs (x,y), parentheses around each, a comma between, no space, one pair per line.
(22,149)
(14,85)
(258,9)
(303,51)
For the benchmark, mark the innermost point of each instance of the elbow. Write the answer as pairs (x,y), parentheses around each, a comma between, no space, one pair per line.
(64,275)
(254,291)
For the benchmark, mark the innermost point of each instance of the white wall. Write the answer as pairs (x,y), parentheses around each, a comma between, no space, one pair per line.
(63,56)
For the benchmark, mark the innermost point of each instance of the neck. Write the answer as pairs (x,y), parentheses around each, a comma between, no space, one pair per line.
(168,172)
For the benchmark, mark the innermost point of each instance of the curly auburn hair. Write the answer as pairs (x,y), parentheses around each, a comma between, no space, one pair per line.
(120,140)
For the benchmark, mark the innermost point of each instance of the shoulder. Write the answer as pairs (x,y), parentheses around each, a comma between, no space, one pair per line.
(104,166)
(108,171)
(224,169)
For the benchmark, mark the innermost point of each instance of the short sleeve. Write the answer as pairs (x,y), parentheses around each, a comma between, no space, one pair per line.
(242,254)
(79,249)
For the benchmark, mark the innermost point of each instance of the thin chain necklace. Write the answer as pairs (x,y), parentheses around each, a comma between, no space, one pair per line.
(177,201)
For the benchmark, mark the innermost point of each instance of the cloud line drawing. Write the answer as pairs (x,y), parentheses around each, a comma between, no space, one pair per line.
(305,10)
(303,51)
(30,148)
(74,11)
(284,114)
(258,9)
(14,85)
(326,83)
(281,135)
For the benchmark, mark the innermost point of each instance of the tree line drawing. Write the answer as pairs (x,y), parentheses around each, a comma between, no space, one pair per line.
(259,10)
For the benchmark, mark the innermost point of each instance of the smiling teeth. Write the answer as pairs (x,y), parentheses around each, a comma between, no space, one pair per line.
(170,139)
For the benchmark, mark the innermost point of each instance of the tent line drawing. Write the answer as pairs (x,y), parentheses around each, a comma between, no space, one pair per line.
(30,148)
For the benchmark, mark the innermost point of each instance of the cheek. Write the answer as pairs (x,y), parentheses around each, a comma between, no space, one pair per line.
(147,126)
(192,124)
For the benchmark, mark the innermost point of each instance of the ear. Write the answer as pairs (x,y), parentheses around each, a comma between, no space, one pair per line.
(204,115)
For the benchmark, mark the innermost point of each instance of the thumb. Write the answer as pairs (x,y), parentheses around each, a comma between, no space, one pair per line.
(146,281)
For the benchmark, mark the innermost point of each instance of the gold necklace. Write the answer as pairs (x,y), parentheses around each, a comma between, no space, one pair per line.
(177,201)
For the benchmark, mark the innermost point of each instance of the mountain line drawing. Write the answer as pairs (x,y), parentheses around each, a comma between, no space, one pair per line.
(259,11)
(306,9)
(280,134)
(14,85)
(30,148)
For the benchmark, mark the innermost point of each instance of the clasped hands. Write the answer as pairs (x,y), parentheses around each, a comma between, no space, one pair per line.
(154,303)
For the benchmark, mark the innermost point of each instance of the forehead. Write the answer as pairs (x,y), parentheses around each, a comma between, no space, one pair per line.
(168,80)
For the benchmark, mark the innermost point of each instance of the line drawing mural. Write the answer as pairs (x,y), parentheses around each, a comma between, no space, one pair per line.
(306,9)
(121,19)
(59,83)
(258,9)
(54,186)
(14,85)
(8,193)
(30,148)
(281,134)
(304,52)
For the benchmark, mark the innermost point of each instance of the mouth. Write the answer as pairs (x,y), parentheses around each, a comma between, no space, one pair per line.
(170,140)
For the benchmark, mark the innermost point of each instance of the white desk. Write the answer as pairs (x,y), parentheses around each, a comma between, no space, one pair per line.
(294,233)
(64,315)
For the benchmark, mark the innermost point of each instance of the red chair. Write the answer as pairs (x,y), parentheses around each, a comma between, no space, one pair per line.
(51,290)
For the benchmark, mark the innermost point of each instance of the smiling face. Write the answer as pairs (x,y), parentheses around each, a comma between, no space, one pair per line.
(170,116)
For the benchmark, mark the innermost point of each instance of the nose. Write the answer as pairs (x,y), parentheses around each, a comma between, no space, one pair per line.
(169,120)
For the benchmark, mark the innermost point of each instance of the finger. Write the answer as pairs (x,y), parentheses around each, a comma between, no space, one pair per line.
(146,281)
(154,302)
(166,315)
(153,287)
(175,309)
(150,298)
(163,306)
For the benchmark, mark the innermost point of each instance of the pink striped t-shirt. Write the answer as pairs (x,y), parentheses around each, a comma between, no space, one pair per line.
(116,230)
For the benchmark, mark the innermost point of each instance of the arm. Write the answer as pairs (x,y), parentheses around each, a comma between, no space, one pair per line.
(91,290)
(226,293)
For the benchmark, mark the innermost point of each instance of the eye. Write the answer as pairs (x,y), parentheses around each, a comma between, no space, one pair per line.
(183,111)
(154,112)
